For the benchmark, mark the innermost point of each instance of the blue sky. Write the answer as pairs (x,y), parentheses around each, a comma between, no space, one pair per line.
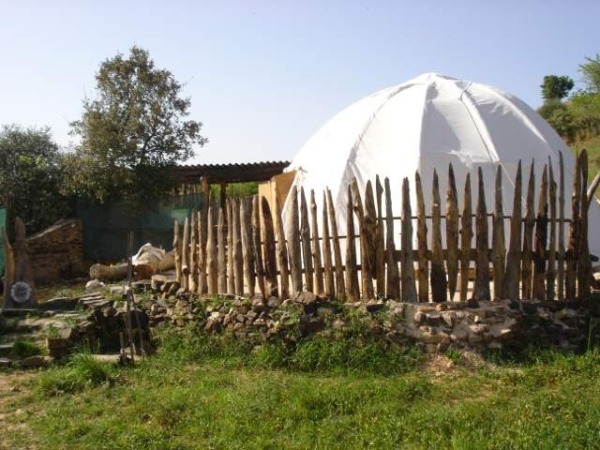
(263,75)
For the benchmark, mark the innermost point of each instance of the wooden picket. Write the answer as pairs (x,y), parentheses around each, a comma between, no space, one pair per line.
(242,247)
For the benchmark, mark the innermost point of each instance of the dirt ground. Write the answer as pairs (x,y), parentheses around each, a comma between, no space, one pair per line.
(13,414)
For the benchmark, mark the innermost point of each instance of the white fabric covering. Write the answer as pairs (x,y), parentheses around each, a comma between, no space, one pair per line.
(425,124)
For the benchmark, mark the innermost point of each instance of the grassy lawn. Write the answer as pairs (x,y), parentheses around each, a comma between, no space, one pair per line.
(204,394)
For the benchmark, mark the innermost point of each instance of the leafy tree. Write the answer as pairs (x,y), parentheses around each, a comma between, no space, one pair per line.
(591,74)
(133,133)
(556,87)
(31,178)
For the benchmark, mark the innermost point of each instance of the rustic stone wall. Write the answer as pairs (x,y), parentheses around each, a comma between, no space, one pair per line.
(57,252)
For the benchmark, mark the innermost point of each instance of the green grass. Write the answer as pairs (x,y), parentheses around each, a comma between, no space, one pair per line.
(218,394)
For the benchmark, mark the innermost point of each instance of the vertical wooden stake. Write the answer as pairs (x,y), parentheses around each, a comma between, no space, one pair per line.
(230,248)
(257,247)
(513,260)
(340,285)
(498,240)
(380,255)
(407,266)
(270,260)
(466,236)
(452,232)
(422,266)
(365,245)
(584,273)
(528,237)
(282,253)
(306,248)
(551,271)
(293,231)
(561,229)
(176,251)
(438,272)
(221,261)
(572,256)
(482,266)
(247,244)
(238,259)
(393,276)
(211,252)
(352,289)
(541,236)
(327,255)
(193,277)
(316,249)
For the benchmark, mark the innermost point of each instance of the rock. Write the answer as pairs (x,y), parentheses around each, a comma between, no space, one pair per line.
(258,304)
(5,363)
(420,317)
(472,303)
(306,298)
(273,302)
(94,286)
(374,307)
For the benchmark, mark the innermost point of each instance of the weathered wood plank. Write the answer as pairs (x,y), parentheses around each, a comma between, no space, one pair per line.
(185,255)
(407,266)
(551,270)
(379,241)
(211,252)
(316,248)
(529,223)
(221,260)
(202,238)
(498,239)
(193,276)
(257,247)
(422,265)
(282,253)
(560,285)
(327,255)
(481,289)
(307,257)
(513,260)
(247,245)
(438,272)
(295,253)
(340,284)
(352,288)
(270,259)
(229,249)
(466,236)
(572,257)
(371,232)
(393,275)
(366,244)
(177,252)
(452,232)
(584,264)
(541,237)
(238,258)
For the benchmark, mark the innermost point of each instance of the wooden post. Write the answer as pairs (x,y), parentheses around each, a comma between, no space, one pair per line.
(466,236)
(393,276)
(380,255)
(572,256)
(270,260)
(584,274)
(316,249)
(561,229)
(211,252)
(238,259)
(482,266)
(293,234)
(352,289)
(193,277)
(202,238)
(282,253)
(176,252)
(305,237)
(541,236)
(407,266)
(438,272)
(452,232)
(185,252)
(498,239)
(340,285)
(247,244)
(365,245)
(221,261)
(528,237)
(257,247)
(551,271)
(513,259)
(422,266)
(230,249)
(327,255)
(370,224)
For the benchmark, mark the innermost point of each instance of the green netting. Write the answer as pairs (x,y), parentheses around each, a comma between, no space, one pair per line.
(106,227)
(2,222)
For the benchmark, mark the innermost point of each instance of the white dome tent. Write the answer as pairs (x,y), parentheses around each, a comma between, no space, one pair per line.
(425,124)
